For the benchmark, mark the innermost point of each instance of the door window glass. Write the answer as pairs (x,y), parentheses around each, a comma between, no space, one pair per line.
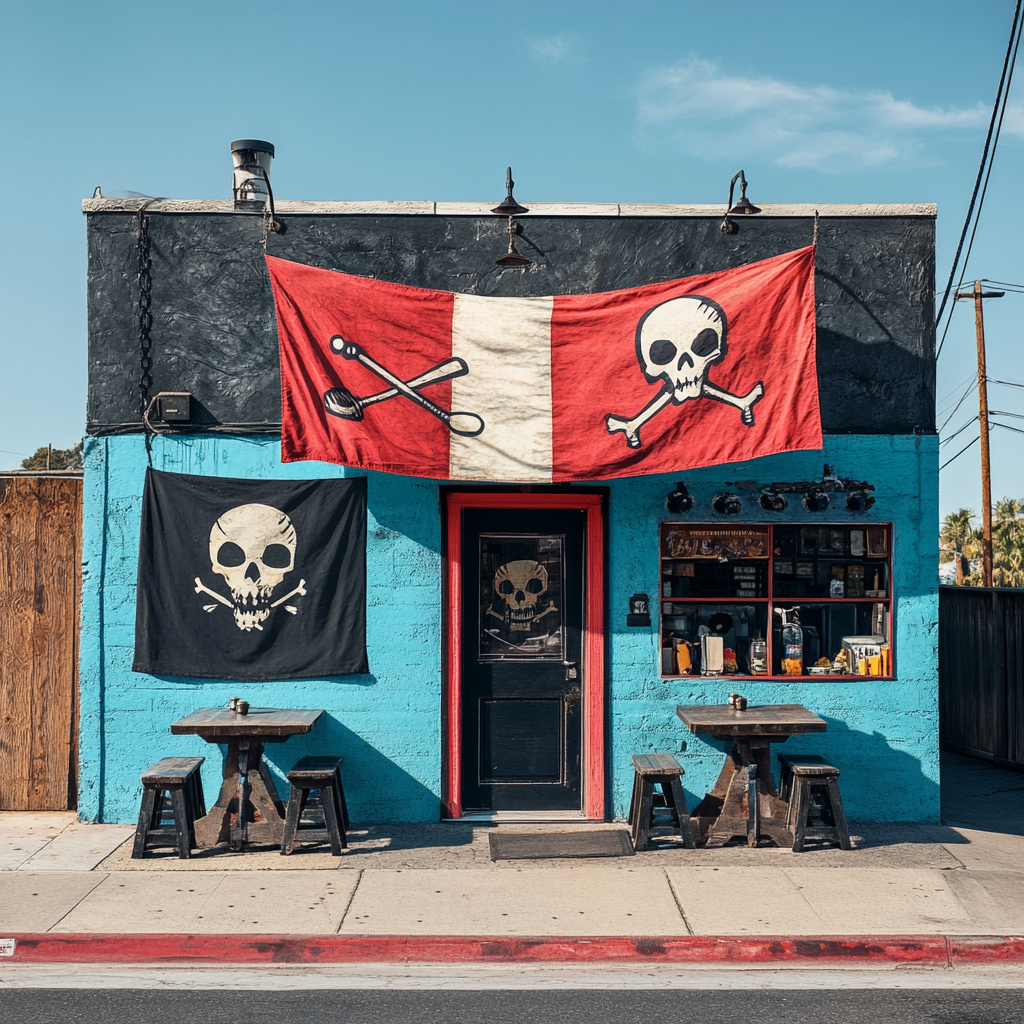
(522,611)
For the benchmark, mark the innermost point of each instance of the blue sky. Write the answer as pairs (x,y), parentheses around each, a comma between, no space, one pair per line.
(606,102)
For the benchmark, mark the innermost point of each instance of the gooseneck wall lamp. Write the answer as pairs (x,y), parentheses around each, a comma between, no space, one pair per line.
(743,208)
(510,208)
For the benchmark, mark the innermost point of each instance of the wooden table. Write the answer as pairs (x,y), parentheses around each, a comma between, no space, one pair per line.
(247,783)
(744,800)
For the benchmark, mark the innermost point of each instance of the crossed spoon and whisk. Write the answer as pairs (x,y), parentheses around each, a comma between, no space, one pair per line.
(339,401)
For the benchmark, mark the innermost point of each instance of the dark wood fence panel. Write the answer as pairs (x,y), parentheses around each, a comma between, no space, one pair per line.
(981,672)
(40,574)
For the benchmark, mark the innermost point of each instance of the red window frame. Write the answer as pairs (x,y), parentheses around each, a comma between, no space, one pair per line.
(770,601)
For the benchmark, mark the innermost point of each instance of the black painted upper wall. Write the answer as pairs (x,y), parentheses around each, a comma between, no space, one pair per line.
(214,331)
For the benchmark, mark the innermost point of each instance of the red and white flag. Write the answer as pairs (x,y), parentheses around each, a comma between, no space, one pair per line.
(666,377)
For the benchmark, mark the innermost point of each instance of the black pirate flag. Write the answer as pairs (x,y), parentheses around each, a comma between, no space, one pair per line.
(251,579)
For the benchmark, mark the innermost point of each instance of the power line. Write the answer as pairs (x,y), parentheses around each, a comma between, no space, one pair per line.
(959,453)
(973,419)
(1013,380)
(971,376)
(992,158)
(949,320)
(1006,426)
(981,201)
(974,384)
(984,157)
(998,110)
(1005,383)
(1003,284)
(996,412)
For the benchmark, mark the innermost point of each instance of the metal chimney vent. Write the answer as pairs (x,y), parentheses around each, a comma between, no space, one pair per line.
(250,183)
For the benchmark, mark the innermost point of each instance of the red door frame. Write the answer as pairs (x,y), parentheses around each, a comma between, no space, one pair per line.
(593,702)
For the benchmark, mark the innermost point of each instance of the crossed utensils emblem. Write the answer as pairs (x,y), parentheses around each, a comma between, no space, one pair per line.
(340,402)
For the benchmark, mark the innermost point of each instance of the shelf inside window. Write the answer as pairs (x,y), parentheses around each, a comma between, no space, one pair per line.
(829,677)
(725,580)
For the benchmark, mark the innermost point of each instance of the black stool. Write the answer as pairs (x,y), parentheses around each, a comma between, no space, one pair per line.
(178,777)
(648,809)
(811,785)
(323,774)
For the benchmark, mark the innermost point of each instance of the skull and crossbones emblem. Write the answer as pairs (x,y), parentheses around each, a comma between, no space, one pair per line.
(677,342)
(520,585)
(253,548)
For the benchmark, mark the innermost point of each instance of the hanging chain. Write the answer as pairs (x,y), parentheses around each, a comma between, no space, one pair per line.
(268,224)
(145,313)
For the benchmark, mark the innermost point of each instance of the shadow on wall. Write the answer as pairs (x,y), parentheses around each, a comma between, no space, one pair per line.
(376,789)
(271,701)
(877,777)
(405,507)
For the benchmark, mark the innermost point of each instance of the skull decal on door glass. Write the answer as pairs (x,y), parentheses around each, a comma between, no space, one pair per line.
(520,597)
(253,548)
(521,584)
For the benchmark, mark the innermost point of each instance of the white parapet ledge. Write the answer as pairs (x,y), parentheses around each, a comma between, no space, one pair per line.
(414,208)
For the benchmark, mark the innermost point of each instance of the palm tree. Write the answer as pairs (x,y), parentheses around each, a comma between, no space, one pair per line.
(1008,541)
(959,536)
(1012,571)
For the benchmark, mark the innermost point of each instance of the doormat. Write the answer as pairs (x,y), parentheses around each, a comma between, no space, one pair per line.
(545,845)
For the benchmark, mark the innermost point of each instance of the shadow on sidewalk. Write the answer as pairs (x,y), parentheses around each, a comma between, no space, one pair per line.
(979,795)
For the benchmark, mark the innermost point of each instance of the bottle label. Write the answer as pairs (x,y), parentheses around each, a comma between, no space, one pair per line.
(794,650)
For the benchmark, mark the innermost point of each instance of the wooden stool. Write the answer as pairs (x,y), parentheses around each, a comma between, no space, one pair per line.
(178,777)
(811,785)
(645,807)
(323,774)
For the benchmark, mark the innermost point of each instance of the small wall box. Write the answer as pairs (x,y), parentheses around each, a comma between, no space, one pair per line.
(639,611)
(174,406)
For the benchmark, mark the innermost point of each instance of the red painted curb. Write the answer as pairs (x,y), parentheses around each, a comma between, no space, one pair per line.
(686,949)
(986,949)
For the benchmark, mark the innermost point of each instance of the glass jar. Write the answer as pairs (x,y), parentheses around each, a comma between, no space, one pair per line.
(759,656)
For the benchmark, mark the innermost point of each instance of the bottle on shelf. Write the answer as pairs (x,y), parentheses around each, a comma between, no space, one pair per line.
(792,637)
(759,656)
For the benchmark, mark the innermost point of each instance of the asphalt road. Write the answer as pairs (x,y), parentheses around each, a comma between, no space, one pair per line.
(870,1006)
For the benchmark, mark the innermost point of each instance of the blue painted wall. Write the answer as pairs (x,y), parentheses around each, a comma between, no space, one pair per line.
(884,735)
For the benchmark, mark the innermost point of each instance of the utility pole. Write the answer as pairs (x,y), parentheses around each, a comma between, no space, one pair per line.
(986,465)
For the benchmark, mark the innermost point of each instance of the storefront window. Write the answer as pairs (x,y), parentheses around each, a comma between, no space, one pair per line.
(782,601)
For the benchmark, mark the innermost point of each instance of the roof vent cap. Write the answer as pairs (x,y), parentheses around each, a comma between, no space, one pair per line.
(250,181)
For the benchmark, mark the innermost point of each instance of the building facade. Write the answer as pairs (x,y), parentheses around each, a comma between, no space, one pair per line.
(845,534)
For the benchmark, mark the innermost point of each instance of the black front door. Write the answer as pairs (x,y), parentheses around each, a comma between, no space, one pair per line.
(522,602)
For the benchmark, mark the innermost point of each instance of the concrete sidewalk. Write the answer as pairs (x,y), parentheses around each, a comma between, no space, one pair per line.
(60,878)
(616,898)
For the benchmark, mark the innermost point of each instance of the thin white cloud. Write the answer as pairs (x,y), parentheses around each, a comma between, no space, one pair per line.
(695,105)
(552,50)
(1013,121)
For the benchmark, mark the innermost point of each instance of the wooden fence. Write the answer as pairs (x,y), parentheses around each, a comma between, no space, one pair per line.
(40,587)
(981,673)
